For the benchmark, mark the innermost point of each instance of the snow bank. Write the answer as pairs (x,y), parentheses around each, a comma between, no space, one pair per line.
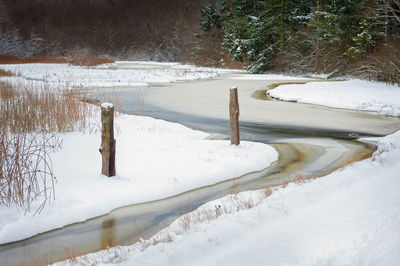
(154,159)
(110,75)
(268,77)
(350,217)
(351,94)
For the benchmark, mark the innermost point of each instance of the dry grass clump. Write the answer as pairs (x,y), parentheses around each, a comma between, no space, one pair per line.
(267,191)
(235,203)
(115,255)
(162,237)
(298,178)
(28,108)
(30,119)
(232,203)
(185,221)
(6,73)
(80,61)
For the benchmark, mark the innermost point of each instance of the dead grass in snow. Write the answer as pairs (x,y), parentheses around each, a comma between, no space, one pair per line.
(31,118)
(6,73)
(75,60)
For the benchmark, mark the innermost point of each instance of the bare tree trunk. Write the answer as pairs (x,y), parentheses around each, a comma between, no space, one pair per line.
(234,116)
(282,25)
(107,148)
(318,45)
(386,26)
(291,37)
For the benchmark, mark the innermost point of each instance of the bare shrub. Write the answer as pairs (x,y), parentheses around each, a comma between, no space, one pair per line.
(382,65)
(13,44)
(26,168)
(30,120)
(90,61)
(81,57)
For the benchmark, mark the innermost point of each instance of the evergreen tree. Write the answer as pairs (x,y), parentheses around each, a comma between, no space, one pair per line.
(324,34)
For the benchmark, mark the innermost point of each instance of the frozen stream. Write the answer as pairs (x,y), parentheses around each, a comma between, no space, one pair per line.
(311,140)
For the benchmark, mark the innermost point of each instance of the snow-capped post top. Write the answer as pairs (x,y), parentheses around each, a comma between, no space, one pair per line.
(107,105)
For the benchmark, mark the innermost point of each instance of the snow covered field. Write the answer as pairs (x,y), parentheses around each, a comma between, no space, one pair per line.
(350,217)
(154,159)
(350,94)
(119,74)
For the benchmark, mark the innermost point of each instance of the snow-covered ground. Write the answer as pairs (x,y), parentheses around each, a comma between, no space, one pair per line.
(279,77)
(119,74)
(350,94)
(154,159)
(350,217)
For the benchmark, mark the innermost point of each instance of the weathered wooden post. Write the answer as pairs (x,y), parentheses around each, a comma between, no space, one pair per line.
(234,116)
(107,148)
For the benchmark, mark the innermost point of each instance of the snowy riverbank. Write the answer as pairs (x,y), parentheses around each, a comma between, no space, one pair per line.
(350,94)
(119,74)
(154,159)
(350,217)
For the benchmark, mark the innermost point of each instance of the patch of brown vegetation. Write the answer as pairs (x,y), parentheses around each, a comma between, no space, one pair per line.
(299,178)
(81,61)
(267,190)
(7,59)
(30,119)
(6,73)
(89,61)
(29,109)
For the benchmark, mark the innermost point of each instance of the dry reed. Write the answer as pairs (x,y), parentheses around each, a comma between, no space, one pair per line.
(28,108)
(30,119)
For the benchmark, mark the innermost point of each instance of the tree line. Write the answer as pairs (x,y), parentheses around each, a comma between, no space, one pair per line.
(336,37)
(122,29)
(320,36)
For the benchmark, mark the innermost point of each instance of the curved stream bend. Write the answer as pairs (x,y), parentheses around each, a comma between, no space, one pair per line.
(317,152)
(126,224)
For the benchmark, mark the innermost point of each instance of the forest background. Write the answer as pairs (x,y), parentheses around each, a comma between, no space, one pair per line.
(335,37)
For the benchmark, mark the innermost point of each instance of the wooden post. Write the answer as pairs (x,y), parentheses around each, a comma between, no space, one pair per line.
(234,116)
(107,148)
